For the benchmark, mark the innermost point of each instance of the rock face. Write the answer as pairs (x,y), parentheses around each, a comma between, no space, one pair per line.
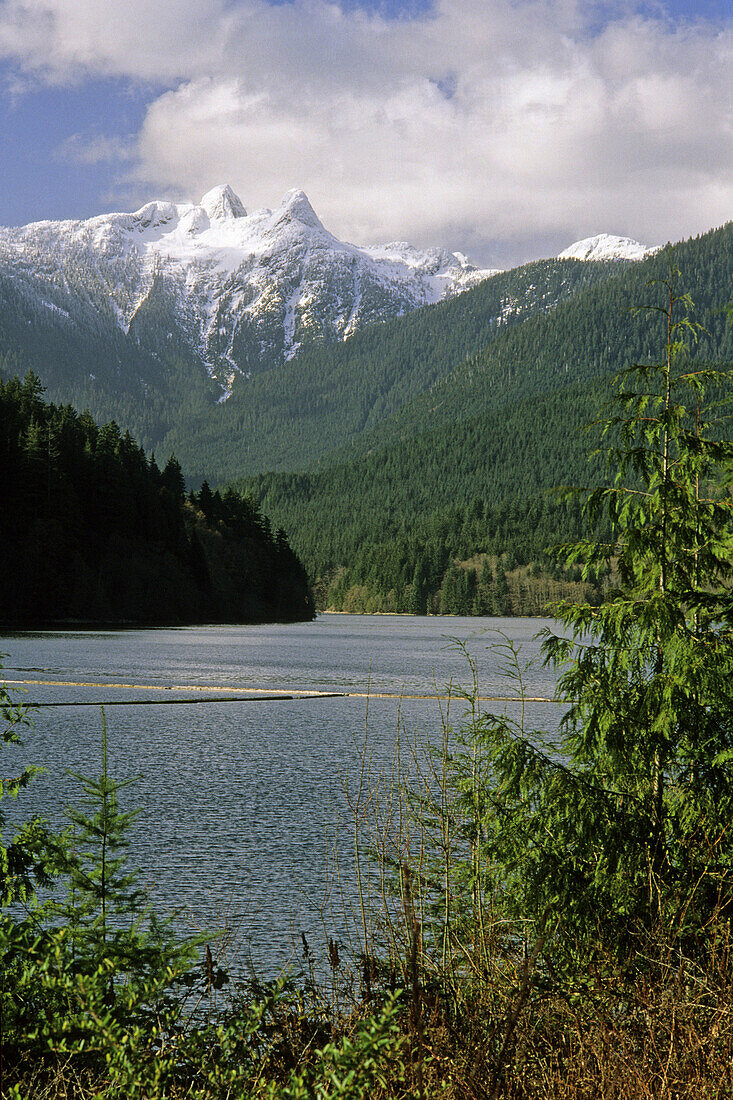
(606,246)
(241,291)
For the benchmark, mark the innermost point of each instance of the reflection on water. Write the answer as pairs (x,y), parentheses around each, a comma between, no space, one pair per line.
(242,801)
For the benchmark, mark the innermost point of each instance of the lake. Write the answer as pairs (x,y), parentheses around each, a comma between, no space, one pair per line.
(240,779)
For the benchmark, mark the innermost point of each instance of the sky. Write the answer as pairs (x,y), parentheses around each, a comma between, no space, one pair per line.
(505,129)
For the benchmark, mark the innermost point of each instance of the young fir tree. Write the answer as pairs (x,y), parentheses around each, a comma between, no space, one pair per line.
(111,927)
(626,830)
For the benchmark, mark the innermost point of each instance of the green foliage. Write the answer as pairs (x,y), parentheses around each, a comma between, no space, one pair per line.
(80,978)
(499,430)
(93,530)
(110,926)
(457,562)
(23,863)
(352,1067)
(625,829)
(28,862)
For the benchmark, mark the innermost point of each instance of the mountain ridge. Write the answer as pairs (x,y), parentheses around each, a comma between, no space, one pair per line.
(607,246)
(236,291)
(478,398)
(240,290)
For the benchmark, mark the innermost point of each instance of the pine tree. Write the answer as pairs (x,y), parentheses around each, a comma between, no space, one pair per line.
(502,596)
(419,588)
(173,480)
(450,592)
(486,598)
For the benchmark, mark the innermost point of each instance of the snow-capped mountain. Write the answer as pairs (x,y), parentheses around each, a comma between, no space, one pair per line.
(606,246)
(241,291)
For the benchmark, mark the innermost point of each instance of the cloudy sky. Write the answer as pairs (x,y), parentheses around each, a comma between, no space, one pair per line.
(504,128)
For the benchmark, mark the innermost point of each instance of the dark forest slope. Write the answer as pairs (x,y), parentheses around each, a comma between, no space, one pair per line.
(297,415)
(90,529)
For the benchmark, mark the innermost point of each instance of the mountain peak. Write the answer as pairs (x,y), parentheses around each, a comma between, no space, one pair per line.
(606,246)
(222,202)
(296,205)
(242,291)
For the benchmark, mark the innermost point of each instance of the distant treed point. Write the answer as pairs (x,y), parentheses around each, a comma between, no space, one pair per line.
(94,531)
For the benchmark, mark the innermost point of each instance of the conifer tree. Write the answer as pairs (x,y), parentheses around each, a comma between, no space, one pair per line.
(419,589)
(111,926)
(173,479)
(502,597)
(625,829)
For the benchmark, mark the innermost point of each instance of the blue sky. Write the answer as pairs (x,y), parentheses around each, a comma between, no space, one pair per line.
(37,178)
(499,127)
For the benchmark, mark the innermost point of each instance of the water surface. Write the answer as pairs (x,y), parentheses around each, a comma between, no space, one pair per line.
(242,800)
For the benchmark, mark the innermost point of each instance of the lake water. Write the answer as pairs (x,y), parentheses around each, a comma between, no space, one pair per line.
(242,793)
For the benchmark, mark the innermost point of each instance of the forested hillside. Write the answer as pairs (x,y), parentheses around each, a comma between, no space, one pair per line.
(488,441)
(297,415)
(402,515)
(583,342)
(420,445)
(533,331)
(285,416)
(93,530)
(91,363)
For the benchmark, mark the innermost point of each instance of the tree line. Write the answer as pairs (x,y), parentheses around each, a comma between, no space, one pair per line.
(474,560)
(94,530)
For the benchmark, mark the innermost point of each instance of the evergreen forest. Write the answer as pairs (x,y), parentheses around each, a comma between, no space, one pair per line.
(462,480)
(92,530)
(415,467)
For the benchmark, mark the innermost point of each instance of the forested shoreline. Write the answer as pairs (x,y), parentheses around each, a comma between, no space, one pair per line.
(412,465)
(456,455)
(93,531)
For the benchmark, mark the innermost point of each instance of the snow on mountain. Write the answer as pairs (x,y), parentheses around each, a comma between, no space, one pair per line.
(243,291)
(221,203)
(606,246)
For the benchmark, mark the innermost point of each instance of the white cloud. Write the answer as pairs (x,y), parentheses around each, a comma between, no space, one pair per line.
(67,39)
(493,123)
(81,149)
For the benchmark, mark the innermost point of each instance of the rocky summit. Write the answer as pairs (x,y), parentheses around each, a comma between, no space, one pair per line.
(240,291)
